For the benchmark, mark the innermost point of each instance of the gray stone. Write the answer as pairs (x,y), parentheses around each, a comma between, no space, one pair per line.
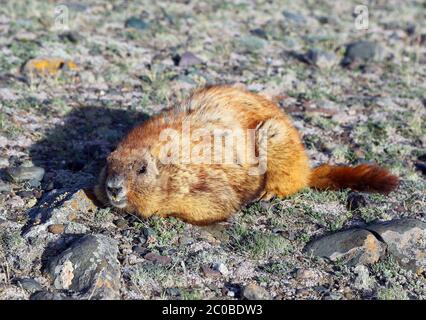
(34,183)
(319,58)
(360,51)
(174,292)
(258,32)
(406,240)
(89,266)
(293,17)
(28,284)
(5,187)
(59,207)
(353,247)
(4,162)
(255,292)
(47,295)
(189,59)
(136,23)
(20,174)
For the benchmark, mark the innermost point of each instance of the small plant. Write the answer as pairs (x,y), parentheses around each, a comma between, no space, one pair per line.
(392,293)
(103,216)
(191,294)
(258,244)
(10,240)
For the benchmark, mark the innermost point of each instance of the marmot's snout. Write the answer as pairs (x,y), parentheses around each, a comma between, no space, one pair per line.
(116,191)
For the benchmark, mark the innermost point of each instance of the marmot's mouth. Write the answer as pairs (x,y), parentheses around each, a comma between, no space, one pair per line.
(119,204)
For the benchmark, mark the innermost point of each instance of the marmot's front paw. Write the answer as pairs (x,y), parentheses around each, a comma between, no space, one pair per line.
(99,189)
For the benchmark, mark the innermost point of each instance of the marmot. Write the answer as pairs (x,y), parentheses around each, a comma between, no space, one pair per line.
(219,150)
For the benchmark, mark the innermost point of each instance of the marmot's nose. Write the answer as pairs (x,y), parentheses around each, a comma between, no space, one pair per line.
(115,185)
(115,191)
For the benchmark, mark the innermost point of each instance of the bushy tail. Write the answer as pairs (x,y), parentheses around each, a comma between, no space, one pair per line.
(364,177)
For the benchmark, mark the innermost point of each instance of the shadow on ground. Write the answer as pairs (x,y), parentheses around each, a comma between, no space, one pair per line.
(80,143)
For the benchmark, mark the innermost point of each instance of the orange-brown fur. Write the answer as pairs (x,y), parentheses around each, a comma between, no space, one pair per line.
(206,193)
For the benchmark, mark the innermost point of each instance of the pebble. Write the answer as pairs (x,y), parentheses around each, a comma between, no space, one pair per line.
(28,284)
(421,166)
(4,162)
(31,202)
(141,250)
(353,247)
(136,23)
(25,194)
(222,268)
(294,17)
(121,223)
(406,241)
(154,257)
(356,200)
(47,295)
(360,51)
(319,58)
(34,183)
(258,32)
(53,210)
(56,228)
(255,292)
(148,232)
(187,59)
(88,266)
(209,272)
(3,141)
(5,187)
(185,240)
(70,36)
(20,174)
(174,292)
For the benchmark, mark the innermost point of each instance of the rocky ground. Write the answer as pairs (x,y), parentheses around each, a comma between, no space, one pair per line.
(68,96)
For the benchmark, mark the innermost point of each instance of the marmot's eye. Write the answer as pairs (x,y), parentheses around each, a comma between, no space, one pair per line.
(142,169)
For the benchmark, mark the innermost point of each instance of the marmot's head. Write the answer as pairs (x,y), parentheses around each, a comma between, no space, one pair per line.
(130,175)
